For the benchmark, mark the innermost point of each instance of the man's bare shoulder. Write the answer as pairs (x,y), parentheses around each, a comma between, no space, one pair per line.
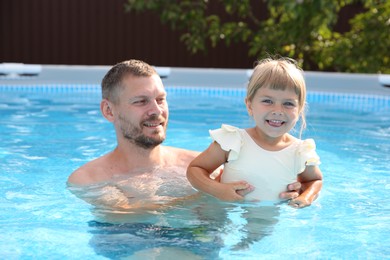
(181,152)
(90,173)
(180,155)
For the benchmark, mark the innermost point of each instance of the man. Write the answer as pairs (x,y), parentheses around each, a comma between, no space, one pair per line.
(134,100)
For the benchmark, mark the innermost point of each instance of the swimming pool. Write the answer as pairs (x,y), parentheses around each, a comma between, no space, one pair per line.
(48,131)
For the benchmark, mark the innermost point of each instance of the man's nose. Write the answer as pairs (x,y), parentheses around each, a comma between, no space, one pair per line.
(154,108)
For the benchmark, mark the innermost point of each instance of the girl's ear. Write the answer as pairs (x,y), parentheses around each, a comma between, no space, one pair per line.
(106,107)
(248,104)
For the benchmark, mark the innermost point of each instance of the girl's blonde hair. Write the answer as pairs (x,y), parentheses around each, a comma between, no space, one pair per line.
(279,74)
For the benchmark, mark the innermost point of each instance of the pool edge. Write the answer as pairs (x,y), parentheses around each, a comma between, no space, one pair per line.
(200,77)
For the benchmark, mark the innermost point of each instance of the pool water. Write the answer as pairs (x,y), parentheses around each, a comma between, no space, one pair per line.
(46,133)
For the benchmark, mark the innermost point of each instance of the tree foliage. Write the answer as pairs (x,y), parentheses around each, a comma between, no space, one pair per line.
(301,29)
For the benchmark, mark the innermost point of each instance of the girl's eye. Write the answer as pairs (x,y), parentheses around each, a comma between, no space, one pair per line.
(267,101)
(289,104)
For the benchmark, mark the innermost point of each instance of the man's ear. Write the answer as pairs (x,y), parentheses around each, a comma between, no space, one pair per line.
(106,107)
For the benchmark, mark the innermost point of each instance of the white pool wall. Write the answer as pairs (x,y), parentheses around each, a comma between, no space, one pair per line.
(192,77)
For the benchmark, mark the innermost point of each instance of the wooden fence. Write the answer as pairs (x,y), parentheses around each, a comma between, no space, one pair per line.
(99,32)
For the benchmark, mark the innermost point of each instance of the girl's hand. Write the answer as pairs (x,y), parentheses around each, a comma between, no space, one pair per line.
(299,203)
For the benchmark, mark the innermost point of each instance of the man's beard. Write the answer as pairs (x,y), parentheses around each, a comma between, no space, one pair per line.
(134,134)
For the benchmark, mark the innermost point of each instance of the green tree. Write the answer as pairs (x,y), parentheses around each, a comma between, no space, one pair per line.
(366,47)
(301,29)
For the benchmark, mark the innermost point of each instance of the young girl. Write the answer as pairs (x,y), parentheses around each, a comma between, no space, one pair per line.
(260,162)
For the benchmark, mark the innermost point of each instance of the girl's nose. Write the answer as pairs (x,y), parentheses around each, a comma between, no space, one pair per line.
(277,110)
(278,113)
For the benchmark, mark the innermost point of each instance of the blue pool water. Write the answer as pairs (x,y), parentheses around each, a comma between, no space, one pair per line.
(46,133)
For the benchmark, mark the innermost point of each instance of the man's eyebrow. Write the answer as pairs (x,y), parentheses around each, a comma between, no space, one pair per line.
(138,97)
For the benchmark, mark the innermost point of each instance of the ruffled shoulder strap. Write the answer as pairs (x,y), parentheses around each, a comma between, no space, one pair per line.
(229,138)
(307,155)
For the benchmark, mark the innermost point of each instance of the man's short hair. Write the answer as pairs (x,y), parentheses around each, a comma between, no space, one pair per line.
(112,81)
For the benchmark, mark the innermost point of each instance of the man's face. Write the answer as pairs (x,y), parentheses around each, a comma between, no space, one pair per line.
(142,112)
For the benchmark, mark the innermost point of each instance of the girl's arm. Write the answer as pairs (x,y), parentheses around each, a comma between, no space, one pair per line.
(311,180)
(200,169)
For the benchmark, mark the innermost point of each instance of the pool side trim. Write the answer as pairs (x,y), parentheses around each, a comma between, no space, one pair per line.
(203,77)
(188,90)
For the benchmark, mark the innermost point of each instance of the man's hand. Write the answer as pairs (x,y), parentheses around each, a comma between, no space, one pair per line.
(293,191)
(242,188)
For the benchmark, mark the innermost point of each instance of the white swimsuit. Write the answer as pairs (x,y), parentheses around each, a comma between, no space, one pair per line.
(268,171)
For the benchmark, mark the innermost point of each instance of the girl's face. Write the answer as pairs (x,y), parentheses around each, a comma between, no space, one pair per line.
(275,112)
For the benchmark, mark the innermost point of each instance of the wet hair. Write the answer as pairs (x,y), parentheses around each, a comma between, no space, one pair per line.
(279,74)
(112,81)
